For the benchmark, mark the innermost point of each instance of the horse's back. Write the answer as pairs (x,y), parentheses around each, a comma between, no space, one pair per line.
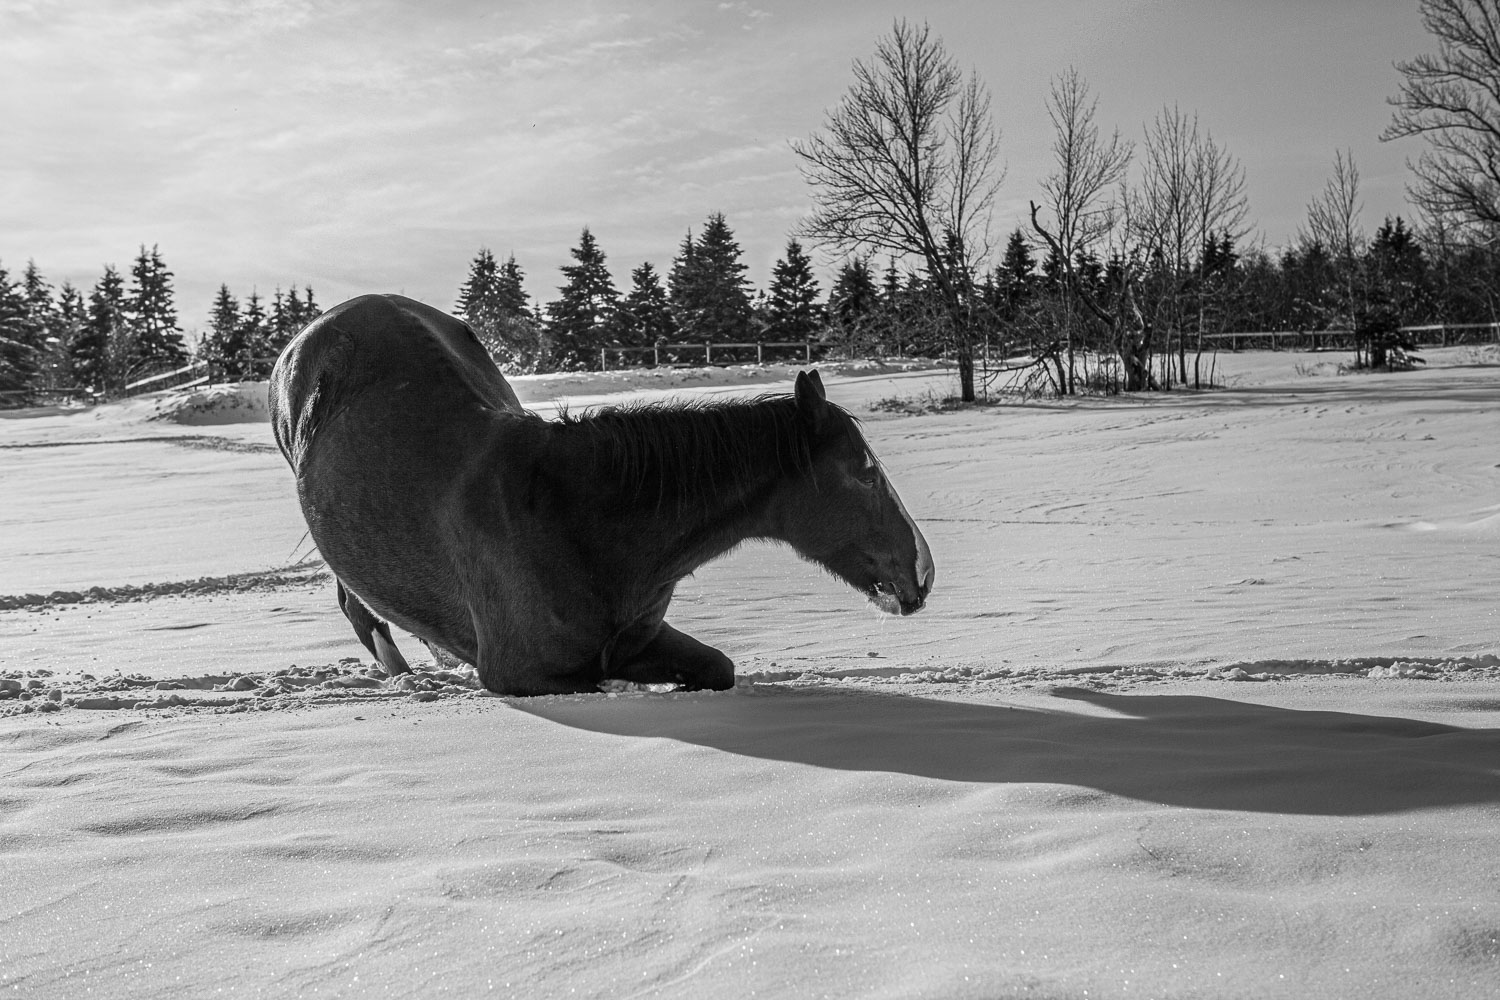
(369,353)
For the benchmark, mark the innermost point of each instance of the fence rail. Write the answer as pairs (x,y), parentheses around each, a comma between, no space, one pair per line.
(196,366)
(1322,339)
(708,348)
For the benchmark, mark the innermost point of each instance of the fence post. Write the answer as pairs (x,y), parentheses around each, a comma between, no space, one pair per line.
(807,351)
(759,355)
(708,353)
(656,355)
(603,364)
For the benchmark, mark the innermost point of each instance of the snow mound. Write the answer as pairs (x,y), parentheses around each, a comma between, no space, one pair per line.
(236,403)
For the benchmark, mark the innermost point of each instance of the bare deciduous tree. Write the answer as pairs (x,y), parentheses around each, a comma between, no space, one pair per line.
(907,164)
(1192,190)
(1088,166)
(1452,100)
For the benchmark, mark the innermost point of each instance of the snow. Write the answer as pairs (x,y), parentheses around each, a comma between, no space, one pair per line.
(1204,704)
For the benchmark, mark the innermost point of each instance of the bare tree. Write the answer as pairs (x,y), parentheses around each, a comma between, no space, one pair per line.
(1452,100)
(907,164)
(1333,223)
(1087,167)
(1191,190)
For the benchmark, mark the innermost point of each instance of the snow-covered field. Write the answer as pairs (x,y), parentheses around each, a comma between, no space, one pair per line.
(1206,703)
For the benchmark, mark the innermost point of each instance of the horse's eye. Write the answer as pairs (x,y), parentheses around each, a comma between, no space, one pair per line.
(868,477)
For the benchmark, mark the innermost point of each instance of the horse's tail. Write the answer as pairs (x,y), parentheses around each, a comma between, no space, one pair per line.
(308,386)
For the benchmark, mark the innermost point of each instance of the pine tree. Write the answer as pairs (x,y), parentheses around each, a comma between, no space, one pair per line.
(19,359)
(478,296)
(99,350)
(510,290)
(682,282)
(493,301)
(253,334)
(645,316)
(794,313)
(289,314)
(157,341)
(223,343)
(1015,278)
(580,320)
(43,327)
(714,305)
(71,317)
(853,299)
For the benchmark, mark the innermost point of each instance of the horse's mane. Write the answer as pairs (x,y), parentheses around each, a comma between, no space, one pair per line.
(680,452)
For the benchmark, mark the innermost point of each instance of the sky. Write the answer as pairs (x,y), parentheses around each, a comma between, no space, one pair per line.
(377,145)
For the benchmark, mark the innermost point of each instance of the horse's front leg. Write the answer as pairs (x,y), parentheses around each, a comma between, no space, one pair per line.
(672,657)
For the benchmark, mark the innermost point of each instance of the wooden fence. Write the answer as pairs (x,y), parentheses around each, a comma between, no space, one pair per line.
(1433,334)
(657,350)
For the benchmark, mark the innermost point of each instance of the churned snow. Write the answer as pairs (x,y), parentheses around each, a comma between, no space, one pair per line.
(1204,704)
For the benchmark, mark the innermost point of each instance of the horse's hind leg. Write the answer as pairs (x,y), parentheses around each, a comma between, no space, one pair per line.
(673,657)
(374,633)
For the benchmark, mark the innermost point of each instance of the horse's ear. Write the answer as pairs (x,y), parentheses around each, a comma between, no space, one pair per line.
(812,401)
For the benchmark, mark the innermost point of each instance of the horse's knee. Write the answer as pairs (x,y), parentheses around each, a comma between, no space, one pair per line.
(673,657)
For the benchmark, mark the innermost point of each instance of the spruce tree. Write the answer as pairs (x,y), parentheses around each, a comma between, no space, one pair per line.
(478,297)
(1015,278)
(72,315)
(253,333)
(223,344)
(794,313)
(853,299)
(510,290)
(157,341)
(19,359)
(99,350)
(43,328)
(580,320)
(718,303)
(493,301)
(645,316)
(682,283)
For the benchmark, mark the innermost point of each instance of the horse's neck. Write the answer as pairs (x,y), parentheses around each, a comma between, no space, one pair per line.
(679,492)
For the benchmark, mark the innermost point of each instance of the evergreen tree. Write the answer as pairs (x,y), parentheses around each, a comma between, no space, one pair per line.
(1015,278)
(71,317)
(98,352)
(224,345)
(20,361)
(253,334)
(853,299)
(717,305)
(854,309)
(478,297)
(580,320)
(43,329)
(493,301)
(1399,272)
(157,341)
(682,282)
(289,314)
(794,310)
(645,316)
(510,290)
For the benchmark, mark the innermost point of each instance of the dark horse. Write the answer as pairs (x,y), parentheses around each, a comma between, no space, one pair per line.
(545,552)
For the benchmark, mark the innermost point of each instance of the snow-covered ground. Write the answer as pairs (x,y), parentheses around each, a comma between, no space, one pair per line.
(1206,703)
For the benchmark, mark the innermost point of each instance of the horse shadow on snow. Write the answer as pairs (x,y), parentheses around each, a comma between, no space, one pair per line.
(1179,750)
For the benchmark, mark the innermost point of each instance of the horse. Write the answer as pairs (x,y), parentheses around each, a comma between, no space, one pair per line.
(545,552)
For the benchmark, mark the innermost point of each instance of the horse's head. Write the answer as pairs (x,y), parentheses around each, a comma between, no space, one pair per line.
(846,515)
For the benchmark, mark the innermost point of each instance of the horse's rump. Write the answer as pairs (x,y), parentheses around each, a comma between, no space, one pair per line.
(385,343)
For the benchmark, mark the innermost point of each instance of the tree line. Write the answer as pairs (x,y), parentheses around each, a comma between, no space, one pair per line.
(61,340)
(704,297)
